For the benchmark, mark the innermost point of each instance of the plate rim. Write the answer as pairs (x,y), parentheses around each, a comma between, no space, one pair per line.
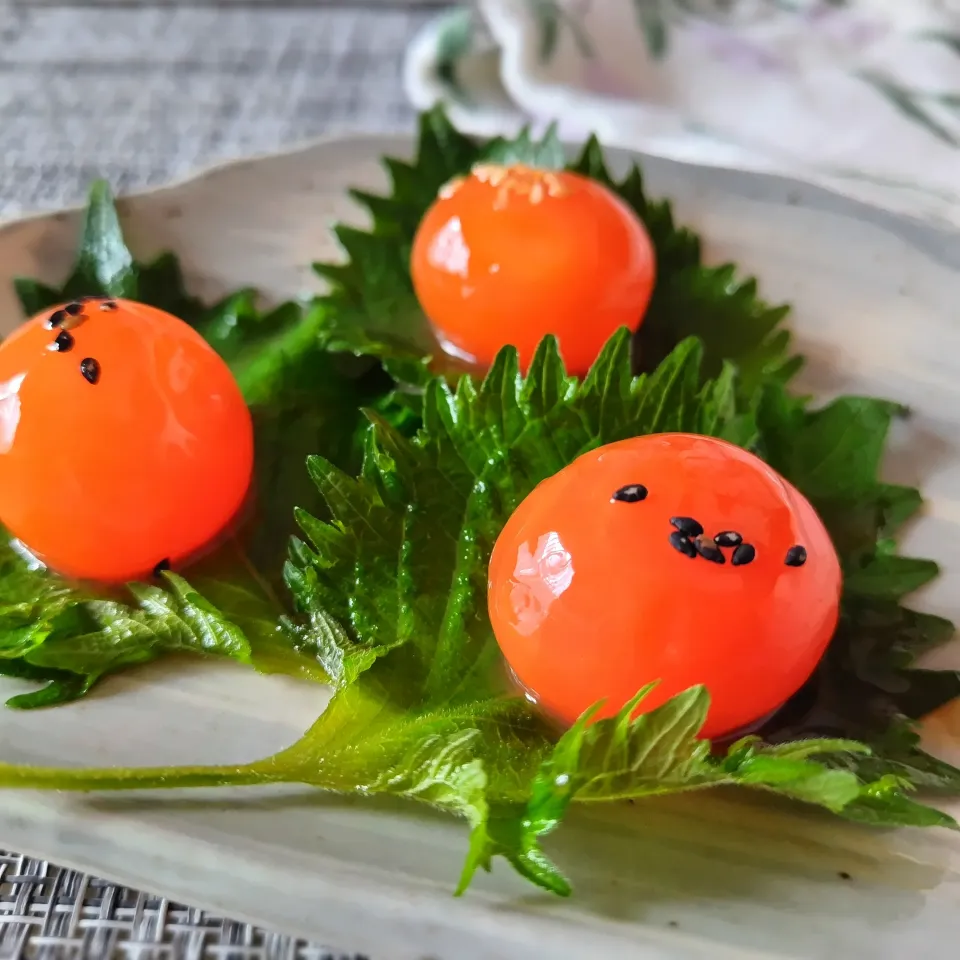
(759,184)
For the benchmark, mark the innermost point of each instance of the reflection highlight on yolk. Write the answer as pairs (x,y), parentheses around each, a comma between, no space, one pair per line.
(540,577)
(9,411)
(448,250)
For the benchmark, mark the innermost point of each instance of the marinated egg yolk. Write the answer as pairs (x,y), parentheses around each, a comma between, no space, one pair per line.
(125,443)
(508,255)
(673,558)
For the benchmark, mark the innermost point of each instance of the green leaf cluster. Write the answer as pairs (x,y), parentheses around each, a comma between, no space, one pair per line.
(398,514)
(390,594)
(833,455)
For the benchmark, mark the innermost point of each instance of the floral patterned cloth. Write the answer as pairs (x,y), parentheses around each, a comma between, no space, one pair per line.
(862,96)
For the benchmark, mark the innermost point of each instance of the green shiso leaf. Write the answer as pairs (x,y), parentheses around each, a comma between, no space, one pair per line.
(105,266)
(397,518)
(303,400)
(373,308)
(390,590)
(866,687)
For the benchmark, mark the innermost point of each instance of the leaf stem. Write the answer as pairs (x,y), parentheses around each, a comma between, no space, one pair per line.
(15,776)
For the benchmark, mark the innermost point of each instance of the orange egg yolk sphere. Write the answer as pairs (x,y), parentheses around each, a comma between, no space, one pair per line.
(507,255)
(125,442)
(671,558)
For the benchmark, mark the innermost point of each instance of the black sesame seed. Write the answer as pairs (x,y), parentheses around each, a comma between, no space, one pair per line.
(679,542)
(743,555)
(164,564)
(709,552)
(56,318)
(631,493)
(74,309)
(108,305)
(90,369)
(63,343)
(729,538)
(796,556)
(843,875)
(687,526)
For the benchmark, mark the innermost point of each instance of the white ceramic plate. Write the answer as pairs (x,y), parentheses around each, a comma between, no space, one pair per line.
(709,876)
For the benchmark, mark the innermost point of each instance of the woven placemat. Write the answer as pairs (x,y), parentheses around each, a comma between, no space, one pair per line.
(50,913)
(144,95)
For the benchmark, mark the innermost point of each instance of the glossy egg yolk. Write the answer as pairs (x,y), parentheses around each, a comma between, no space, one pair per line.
(671,558)
(510,254)
(124,440)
